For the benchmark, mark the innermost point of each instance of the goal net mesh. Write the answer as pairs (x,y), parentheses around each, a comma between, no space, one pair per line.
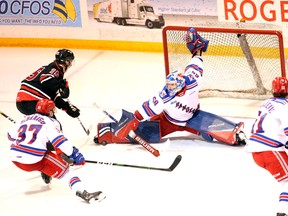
(239,63)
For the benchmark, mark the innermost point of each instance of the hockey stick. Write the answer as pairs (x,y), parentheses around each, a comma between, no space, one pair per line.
(137,138)
(170,169)
(87,131)
(6,116)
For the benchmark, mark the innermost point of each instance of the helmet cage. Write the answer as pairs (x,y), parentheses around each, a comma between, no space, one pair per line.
(174,78)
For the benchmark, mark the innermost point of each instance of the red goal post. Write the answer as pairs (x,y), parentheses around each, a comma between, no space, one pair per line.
(238,63)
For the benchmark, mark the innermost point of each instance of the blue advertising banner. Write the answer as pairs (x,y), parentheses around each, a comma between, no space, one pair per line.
(40,13)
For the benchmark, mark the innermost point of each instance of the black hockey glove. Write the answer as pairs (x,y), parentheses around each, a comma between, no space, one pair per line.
(71,110)
(64,89)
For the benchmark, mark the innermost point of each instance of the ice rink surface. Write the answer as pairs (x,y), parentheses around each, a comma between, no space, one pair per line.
(212,178)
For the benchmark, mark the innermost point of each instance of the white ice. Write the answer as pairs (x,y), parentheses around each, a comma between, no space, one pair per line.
(212,178)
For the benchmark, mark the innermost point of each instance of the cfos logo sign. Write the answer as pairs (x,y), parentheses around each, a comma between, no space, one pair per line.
(37,12)
(64,11)
(25,7)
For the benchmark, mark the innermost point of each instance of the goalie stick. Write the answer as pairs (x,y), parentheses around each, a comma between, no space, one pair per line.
(137,138)
(6,116)
(169,169)
(142,142)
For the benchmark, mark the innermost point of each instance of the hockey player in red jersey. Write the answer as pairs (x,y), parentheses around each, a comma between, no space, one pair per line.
(176,108)
(48,82)
(28,150)
(268,141)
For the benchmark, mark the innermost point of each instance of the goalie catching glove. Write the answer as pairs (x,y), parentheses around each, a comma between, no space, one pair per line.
(195,42)
(127,123)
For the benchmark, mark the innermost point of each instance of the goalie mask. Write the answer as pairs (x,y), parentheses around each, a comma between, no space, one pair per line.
(195,42)
(175,82)
(64,57)
(280,87)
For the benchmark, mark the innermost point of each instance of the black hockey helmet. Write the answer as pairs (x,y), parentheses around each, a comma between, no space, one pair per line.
(64,56)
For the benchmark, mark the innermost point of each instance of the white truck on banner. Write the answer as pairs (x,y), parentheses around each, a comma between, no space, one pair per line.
(127,12)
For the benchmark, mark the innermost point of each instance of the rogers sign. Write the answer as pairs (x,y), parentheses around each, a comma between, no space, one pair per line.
(253,10)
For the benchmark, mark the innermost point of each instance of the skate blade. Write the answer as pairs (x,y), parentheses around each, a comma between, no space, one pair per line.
(101,197)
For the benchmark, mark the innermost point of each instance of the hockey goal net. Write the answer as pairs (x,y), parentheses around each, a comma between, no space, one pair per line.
(239,63)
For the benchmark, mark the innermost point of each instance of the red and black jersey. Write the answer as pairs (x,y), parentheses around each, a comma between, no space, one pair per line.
(43,83)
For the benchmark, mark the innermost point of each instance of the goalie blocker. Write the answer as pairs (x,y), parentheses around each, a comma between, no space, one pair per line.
(209,126)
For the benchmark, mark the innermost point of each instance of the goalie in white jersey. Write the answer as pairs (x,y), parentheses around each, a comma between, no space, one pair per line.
(269,139)
(29,151)
(176,108)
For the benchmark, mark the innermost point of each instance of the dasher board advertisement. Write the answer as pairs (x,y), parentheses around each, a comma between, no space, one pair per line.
(41,13)
(184,7)
(257,11)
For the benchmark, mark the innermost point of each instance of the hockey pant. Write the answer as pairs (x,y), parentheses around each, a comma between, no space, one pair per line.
(202,123)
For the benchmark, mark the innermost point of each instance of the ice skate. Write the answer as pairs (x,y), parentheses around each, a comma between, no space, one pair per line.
(241,138)
(47,179)
(96,196)
(281,214)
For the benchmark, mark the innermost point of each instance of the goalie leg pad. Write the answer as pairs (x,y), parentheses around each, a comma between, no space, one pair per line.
(234,137)
(218,127)
(205,121)
(105,134)
(125,124)
(148,130)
